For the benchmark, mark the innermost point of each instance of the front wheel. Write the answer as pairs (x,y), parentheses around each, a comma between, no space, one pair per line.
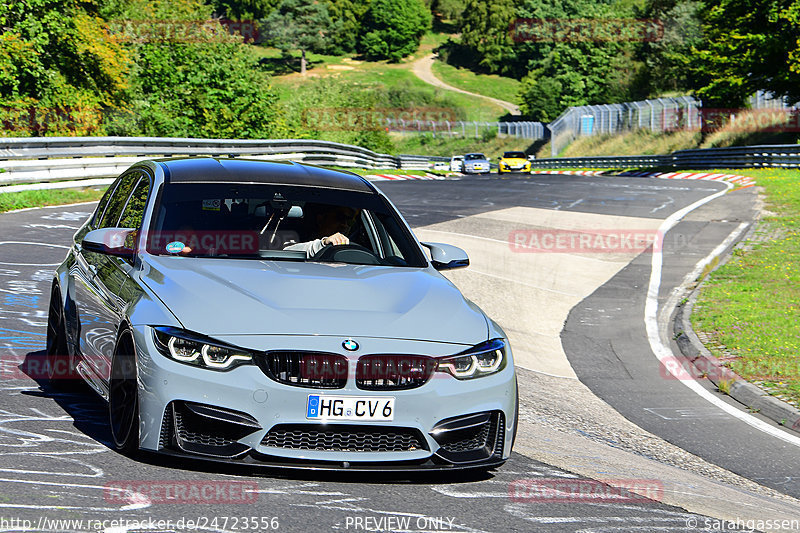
(123,397)
(59,370)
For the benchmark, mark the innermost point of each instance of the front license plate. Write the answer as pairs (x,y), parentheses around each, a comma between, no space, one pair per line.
(349,408)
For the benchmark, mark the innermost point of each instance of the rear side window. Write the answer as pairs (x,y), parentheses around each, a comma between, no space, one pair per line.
(134,211)
(118,199)
(101,207)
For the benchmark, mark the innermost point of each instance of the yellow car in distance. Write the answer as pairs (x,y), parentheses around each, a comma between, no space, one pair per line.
(513,162)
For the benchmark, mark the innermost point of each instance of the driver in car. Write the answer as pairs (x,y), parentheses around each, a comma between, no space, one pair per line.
(333,223)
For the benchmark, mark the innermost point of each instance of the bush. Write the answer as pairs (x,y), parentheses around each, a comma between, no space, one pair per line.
(209,85)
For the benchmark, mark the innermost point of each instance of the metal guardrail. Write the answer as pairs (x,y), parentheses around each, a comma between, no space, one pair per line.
(767,156)
(43,159)
(39,159)
(636,161)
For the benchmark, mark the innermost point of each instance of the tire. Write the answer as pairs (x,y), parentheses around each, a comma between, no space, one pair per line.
(59,371)
(123,397)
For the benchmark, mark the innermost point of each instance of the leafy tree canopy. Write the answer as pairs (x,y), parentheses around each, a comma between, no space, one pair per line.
(244,9)
(189,80)
(392,29)
(748,45)
(56,55)
(300,25)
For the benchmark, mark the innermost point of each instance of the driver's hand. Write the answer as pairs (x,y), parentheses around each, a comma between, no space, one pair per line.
(336,238)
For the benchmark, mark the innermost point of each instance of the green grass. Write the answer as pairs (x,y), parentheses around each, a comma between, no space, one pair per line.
(382,76)
(639,142)
(751,305)
(21,200)
(431,40)
(488,85)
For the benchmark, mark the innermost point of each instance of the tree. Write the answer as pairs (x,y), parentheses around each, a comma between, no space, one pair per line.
(347,16)
(57,62)
(748,45)
(392,29)
(300,24)
(484,29)
(665,60)
(573,54)
(190,80)
(244,9)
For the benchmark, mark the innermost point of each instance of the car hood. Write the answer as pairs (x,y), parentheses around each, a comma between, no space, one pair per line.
(514,161)
(246,297)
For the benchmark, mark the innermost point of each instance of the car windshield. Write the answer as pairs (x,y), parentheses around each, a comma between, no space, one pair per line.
(514,155)
(279,222)
(473,157)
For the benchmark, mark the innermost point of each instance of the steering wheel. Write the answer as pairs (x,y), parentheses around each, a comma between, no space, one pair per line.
(347,253)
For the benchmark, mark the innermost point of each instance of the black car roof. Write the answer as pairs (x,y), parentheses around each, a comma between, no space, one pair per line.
(214,170)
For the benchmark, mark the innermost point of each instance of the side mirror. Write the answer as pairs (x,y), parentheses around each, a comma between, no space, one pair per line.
(446,256)
(119,242)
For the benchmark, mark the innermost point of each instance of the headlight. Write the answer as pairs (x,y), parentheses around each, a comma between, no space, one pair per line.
(193,349)
(482,360)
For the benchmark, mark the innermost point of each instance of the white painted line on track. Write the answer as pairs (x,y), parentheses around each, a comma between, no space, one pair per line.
(661,348)
(34,244)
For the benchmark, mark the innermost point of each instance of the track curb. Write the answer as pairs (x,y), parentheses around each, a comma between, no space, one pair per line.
(708,366)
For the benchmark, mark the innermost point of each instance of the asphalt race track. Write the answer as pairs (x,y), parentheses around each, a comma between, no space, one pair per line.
(56,464)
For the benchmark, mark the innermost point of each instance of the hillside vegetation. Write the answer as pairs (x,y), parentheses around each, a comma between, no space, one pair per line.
(271,68)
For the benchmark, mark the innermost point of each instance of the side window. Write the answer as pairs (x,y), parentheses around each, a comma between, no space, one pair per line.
(101,207)
(118,200)
(389,245)
(134,211)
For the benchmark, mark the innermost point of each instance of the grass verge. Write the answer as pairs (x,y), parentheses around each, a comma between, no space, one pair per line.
(486,84)
(639,142)
(24,199)
(751,305)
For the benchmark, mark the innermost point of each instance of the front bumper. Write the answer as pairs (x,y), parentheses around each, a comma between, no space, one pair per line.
(504,168)
(483,169)
(267,412)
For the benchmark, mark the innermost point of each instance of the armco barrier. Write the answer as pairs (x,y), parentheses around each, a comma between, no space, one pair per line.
(39,159)
(770,156)
(637,161)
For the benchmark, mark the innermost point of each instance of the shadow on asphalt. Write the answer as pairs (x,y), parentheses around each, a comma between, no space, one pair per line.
(90,416)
